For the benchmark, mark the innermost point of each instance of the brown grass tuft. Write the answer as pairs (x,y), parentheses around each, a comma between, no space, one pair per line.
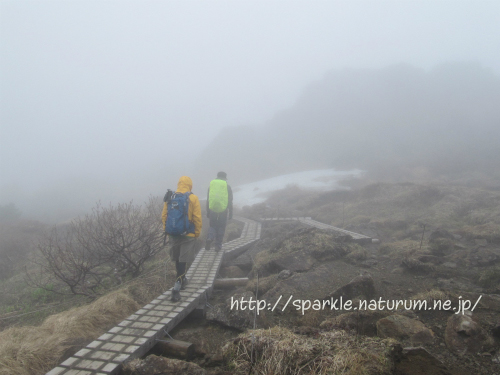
(279,351)
(430,296)
(402,248)
(35,350)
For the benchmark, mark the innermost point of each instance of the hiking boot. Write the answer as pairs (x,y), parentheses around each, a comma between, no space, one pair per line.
(208,244)
(185,282)
(176,296)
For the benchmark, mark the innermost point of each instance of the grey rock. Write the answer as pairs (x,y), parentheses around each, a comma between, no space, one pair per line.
(464,335)
(482,257)
(362,322)
(403,328)
(285,274)
(359,286)
(235,318)
(314,284)
(296,262)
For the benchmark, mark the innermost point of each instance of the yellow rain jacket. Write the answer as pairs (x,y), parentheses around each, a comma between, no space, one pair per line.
(194,212)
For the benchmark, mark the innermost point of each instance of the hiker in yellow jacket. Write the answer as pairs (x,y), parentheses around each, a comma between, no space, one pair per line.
(182,249)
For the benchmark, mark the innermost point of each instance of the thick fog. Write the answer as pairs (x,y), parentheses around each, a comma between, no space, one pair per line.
(116,100)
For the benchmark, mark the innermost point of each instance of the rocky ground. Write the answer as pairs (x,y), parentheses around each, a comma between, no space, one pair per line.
(455,261)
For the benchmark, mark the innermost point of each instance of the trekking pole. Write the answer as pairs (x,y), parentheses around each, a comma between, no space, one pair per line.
(166,199)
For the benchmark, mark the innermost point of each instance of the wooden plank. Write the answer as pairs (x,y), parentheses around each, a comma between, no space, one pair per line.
(228,283)
(175,348)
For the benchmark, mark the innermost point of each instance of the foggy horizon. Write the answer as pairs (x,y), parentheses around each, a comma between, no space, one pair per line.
(114,101)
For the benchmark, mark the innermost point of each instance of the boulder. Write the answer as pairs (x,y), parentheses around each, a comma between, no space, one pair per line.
(418,361)
(234,272)
(487,301)
(464,335)
(295,262)
(285,274)
(359,286)
(160,365)
(361,322)
(482,257)
(403,328)
(311,285)
(461,285)
(236,317)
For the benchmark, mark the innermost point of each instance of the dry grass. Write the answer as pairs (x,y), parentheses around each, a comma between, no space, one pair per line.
(358,254)
(489,278)
(490,231)
(279,351)
(34,350)
(401,248)
(415,265)
(430,296)
(311,319)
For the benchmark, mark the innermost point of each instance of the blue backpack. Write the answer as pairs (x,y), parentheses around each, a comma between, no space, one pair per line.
(178,223)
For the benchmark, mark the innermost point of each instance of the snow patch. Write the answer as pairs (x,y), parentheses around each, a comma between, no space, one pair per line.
(317,180)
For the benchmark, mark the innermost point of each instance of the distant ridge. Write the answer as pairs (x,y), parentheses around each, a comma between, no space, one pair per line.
(396,121)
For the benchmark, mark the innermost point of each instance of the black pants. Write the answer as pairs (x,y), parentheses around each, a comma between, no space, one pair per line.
(217,228)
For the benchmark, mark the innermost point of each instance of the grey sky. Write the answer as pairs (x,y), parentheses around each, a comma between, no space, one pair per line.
(105,89)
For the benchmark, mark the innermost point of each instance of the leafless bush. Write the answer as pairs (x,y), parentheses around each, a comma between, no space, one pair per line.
(100,248)
(16,243)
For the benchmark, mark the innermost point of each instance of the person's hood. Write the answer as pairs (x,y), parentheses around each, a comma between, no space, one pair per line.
(184,185)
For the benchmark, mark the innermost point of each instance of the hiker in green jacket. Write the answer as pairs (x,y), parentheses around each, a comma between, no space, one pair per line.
(219,210)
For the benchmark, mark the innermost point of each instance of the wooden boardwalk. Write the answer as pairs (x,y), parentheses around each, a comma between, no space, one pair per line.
(313,223)
(138,333)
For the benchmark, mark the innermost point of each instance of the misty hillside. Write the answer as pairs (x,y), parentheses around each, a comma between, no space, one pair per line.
(397,122)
